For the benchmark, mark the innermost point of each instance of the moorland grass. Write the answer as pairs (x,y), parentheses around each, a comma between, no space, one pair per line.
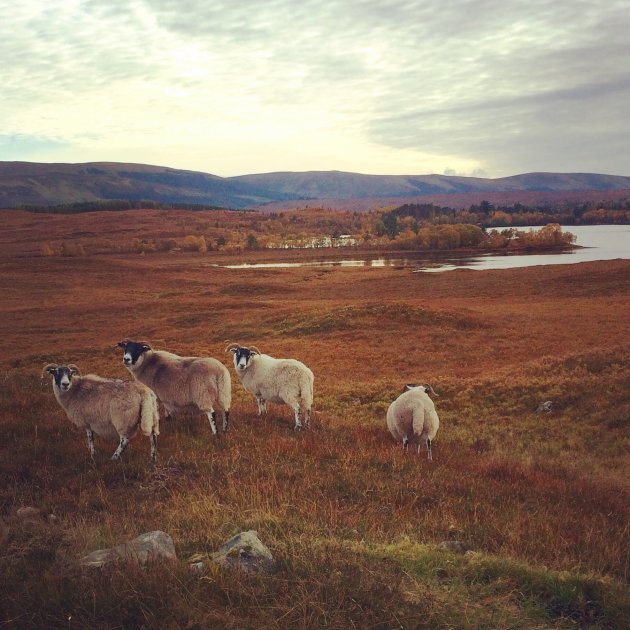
(540,499)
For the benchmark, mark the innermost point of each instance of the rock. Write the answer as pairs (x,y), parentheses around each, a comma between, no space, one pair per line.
(29,514)
(152,546)
(246,551)
(546,407)
(455,546)
(198,568)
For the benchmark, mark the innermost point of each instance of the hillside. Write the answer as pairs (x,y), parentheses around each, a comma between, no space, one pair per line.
(24,183)
(339,185)
(36,184)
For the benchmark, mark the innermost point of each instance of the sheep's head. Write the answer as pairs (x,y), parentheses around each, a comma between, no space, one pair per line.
(242,355)
(62,374)
(427,388)
(133,352)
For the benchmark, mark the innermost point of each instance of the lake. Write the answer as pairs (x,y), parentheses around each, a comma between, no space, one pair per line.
(597,242)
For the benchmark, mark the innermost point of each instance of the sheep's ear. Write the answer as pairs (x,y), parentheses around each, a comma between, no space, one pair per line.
(51,368)
(122,344)
(145,347)
(73,369)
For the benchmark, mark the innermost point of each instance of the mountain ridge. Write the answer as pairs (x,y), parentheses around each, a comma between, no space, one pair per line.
(49,184)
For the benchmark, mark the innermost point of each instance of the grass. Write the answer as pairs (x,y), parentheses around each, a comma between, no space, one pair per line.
(542,500)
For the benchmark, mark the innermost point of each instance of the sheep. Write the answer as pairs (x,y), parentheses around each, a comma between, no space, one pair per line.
(110,408)
(412,416)
(181,382)
(280,381)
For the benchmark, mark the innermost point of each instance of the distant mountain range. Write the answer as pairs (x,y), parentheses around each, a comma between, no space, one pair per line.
(39,184)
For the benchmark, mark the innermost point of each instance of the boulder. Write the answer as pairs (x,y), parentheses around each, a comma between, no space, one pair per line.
(154,546)
(247,552)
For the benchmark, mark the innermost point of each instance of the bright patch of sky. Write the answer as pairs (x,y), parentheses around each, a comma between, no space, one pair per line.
(472,87)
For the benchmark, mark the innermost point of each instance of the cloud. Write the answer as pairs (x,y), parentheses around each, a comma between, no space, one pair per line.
(464,85)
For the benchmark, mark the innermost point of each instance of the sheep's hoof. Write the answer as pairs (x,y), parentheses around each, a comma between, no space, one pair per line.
(115,457)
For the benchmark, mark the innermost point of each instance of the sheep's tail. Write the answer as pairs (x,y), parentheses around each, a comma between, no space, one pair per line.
(149,413)
(306,392)
(224,389)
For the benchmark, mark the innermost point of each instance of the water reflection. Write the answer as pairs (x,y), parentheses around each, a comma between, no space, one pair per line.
(598,242)
(359,262)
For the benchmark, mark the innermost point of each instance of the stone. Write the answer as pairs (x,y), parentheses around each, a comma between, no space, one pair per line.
(546,407)
(247,552)
(198,568)
(152,546)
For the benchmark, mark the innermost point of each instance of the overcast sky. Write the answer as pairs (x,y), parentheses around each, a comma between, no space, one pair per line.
(467,87)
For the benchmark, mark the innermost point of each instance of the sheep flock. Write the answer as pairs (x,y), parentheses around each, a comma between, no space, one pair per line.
(117,409)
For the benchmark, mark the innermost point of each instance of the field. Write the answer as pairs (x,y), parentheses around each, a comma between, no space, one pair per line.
(542,500)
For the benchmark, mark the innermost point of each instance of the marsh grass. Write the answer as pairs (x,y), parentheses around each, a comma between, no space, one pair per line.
(541,499)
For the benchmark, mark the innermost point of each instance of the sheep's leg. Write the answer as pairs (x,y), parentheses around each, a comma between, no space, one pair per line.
(153,447)
(262,407)
(212,416)
(226,420)
(121,447)
(307,418)
(298,422)
(429,449)
(406,444)
(90,438)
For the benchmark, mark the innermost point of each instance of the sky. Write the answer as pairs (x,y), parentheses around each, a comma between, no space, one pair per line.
(486,88)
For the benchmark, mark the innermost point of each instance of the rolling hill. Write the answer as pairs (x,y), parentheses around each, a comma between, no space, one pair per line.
(38,184)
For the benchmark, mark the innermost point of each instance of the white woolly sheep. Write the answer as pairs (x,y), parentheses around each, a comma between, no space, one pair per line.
(412,417)
(181,382)
(110,408)
(279,381)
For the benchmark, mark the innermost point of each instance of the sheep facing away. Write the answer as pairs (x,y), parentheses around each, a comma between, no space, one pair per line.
(111,408)
(181,382)
(412,417)
(273,380)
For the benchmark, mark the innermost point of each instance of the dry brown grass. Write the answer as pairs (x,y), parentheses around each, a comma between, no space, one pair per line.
(542,498)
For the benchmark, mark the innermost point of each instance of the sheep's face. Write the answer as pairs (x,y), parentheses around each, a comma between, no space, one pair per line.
(242,358)
(62,376)
(133,352)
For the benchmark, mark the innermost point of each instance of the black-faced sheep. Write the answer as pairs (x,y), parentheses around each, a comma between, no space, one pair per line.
(113,409)
(181,382)
(412,417)
(282,381)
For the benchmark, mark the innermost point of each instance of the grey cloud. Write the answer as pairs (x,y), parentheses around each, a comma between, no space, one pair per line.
(468,77)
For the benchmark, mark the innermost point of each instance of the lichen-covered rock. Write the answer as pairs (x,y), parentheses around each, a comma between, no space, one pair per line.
(247,552)
(152,546)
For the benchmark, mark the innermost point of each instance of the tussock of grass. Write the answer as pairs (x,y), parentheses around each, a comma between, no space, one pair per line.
(353,317)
